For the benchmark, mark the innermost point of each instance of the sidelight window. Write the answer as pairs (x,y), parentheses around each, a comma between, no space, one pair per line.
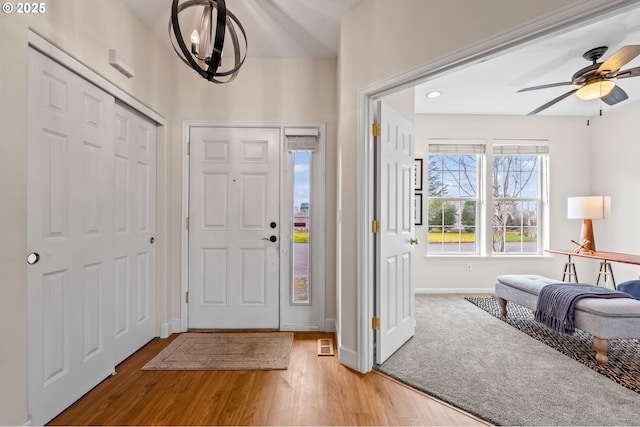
(301,286)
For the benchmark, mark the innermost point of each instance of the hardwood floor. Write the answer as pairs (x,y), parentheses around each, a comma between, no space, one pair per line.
(313,391)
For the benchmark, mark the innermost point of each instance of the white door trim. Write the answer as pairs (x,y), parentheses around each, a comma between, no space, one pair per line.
(319,264)
(564,19)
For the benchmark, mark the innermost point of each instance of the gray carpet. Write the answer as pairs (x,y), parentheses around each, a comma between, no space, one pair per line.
(624,355)
(464,356)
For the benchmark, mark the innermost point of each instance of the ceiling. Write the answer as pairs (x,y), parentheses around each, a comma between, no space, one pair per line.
(310,29)
(490,87)
(275,28)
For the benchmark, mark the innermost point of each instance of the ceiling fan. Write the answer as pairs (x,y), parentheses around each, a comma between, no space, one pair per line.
(595,79)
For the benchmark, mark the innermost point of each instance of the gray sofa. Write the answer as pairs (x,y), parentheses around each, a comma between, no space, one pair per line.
(605,319)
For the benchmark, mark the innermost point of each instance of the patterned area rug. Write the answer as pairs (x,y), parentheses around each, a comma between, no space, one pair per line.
(225,352)
(624,355)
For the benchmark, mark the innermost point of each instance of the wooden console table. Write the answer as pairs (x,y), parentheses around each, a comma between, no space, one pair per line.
(605,259)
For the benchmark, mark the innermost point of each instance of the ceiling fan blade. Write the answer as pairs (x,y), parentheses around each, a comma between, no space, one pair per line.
(631,72)
(553,101)
(616,95)
(619,58)
(545,86)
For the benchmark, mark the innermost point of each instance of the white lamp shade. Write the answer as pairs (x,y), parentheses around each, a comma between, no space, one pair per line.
(595,90)
(588,207)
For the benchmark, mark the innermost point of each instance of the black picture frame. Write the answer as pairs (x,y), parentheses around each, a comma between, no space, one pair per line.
(417,209)
(417,174)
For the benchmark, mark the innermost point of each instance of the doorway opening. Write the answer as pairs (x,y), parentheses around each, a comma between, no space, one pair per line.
(367,204)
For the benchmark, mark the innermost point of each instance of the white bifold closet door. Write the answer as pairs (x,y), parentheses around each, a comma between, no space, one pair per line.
(134,210)
(91,204)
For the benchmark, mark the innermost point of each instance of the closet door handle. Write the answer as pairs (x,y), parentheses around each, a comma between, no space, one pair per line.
(33,258)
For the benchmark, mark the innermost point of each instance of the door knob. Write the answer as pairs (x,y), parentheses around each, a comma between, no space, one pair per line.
(32,258)
(271,239)
(413,241)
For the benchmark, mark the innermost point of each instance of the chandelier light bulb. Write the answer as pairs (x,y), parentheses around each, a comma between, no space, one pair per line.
(195,42)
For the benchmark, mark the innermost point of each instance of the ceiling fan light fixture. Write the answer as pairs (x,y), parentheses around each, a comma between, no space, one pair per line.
(595,90)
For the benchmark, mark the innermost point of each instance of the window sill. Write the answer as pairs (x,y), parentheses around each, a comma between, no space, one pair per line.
(494,257)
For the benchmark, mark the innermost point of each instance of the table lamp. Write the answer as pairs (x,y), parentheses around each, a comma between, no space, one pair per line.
(588,208)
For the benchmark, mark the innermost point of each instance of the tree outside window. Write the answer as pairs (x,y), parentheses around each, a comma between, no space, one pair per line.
(515,203)
(453,197)
(514,198)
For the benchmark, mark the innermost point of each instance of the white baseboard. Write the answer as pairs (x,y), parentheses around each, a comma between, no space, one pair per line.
(164,330)
(348,357)
(457,291)
(299,328)
(172,327)
(329,325)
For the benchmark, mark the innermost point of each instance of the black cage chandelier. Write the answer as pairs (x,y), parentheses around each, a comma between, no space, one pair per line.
(207,39)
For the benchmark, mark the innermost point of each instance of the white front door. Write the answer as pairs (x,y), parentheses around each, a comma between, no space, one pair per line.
(234,237)
(134,212)
(70,229)
(395,187)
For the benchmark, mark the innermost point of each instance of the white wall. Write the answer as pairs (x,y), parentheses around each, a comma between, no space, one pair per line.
(569,160)
(379,40)
(615,171)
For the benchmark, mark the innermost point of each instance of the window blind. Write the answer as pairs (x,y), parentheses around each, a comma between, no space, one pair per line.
(456,148)
(302,139)
(520,149)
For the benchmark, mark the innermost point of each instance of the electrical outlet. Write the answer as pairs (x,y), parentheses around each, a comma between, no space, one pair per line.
(468,266)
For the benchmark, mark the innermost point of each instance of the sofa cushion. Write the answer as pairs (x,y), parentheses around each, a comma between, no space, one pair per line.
(529,283)
(632,287)
(603,318)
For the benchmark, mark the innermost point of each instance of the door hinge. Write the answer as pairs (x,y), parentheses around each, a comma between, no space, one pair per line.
(188,148)
(375,129)
(375,323)
(375,226)
(186,297)
(187,223)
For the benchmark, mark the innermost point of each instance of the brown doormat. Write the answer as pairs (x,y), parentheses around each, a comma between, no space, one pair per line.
(225,352)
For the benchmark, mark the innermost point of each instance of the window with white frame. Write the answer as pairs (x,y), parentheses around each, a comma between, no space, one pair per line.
(454,196)
(302,143)
(485,198)
(517,188)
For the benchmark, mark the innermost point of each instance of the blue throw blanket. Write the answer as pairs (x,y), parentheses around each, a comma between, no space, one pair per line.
(557,303)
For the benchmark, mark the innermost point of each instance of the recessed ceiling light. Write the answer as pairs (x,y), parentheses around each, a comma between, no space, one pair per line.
(433,94)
